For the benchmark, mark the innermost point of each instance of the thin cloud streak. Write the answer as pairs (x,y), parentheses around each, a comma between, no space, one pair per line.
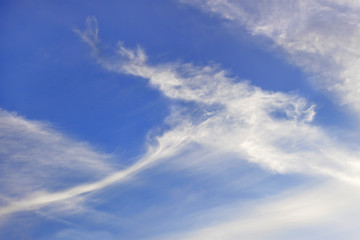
(321,36)
(42,198)
(308,212)
(36,158)
(271,129)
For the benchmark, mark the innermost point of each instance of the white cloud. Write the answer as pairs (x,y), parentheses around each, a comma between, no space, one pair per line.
(325,211)
(272,129)
(321,36)
(39,161)
(36,158)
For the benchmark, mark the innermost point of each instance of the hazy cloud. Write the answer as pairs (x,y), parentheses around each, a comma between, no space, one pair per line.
(230,116)
(321,36)
(272,129)
(36,158)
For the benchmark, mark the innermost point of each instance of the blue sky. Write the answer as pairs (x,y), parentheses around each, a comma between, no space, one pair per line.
(214,119)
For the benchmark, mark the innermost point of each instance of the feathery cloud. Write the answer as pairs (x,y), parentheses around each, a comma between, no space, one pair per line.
(321,211)
(320,36)
(271,129)
(36,158)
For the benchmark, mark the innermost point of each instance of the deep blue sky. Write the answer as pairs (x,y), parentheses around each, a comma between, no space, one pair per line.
(64,104)
(48,74)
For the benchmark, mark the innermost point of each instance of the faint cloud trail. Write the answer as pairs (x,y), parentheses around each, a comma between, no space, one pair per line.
(49,198)
(39,199)
(271,129)
(322,37)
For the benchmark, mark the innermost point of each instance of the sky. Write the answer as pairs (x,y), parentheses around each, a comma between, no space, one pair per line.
(180,119)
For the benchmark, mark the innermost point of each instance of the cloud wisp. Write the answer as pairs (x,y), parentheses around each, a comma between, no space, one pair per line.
(36,158)
(271,129)
(39,159)
(320,36)
(310,212)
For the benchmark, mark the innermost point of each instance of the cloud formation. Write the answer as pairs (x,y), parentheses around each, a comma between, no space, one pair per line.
(272,129)
(320,36)
(228,116)
(40,166)
(36,158)
(311,212)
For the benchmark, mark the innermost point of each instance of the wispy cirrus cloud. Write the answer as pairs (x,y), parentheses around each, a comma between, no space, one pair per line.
(41,166)
(320,211)
(36,158)
(320,36)
(272,129)
(227,116)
